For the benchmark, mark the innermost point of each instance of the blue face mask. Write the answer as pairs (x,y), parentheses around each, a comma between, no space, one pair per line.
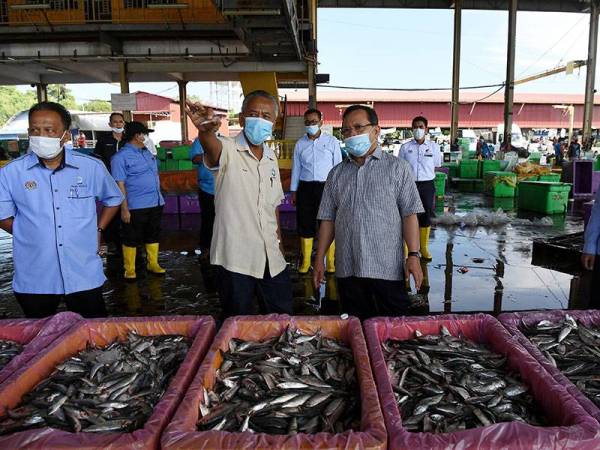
(257,130)
(311,130)
(358,145)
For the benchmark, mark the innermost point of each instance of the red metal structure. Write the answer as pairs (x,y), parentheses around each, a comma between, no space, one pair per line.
(396,108)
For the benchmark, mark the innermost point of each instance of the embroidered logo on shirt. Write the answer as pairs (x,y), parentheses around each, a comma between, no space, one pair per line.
(30,185)
(79,180)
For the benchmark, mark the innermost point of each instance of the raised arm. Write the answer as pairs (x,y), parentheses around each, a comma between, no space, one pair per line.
(207,124)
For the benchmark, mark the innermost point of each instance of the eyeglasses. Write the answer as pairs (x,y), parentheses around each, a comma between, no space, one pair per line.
(311,122)
(358,129)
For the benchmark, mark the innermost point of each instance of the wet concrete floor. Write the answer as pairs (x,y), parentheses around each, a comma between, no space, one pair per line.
(484,269)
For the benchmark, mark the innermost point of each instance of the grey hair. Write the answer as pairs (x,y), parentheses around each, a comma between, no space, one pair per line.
(263,94)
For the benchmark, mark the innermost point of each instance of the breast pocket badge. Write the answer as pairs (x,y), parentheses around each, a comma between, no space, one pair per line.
(31,185)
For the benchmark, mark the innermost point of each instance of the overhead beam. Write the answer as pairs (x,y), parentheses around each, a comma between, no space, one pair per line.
(92,72)
(19,73)
(588,107)
(115,44)
(455,106)
(509,87)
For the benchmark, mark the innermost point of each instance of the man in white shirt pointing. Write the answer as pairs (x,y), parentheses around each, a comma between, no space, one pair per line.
(423,156)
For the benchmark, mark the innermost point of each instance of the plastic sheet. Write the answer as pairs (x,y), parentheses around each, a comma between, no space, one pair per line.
(573,427)
(512,321)
(34,335)
(181,432)
(102,332)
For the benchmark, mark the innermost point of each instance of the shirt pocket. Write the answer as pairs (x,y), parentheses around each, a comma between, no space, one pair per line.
(81,203)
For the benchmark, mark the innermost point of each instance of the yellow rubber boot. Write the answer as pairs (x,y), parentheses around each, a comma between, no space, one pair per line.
(129,262)
(306,245)
(152,257)
(424,235)
(330,259)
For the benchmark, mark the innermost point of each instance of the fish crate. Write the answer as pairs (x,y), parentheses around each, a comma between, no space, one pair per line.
(171,204)
(513,323)
(452,169)
(489,165)
(171,164)
(597,163)
(559,253)
(440,185)
(182,433)
(468,185)
(552,177)
(185,165)
(286,203)
(468,168)
(543,197)
(500,184)
(579,172)
(181,152)
(34,336)
(102,332)
(571,425)
(161,153)
(189,204)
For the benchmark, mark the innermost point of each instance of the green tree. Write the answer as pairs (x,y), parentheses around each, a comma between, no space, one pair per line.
(12,100)
(60,93)
(97,106)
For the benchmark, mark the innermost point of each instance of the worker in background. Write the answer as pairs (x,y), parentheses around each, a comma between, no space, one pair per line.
(557,151)
(315,154)
(48,204)
(479,148)
(370,204)
(591,247)
(423,156)
(246,241)
(206,198)
(136,172)
(81,140)
(574,149)
(106,146)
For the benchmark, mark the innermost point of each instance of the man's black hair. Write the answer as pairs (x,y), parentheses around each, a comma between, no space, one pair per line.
(420,119)
(371,114)
(116,114)
(313,111)
(64,114)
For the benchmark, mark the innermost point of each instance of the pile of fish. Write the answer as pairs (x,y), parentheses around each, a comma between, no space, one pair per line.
(293,383)
(444,383)
(8,350)
(573,348)
(110,389)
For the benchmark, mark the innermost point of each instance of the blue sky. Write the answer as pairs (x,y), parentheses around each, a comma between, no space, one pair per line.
(413,49)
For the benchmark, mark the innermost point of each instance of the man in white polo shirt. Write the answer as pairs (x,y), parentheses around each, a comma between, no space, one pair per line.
(423,156)
(246,242)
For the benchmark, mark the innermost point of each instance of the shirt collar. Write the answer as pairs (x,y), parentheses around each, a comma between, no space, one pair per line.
(242,146)
(34,160)
(376,154)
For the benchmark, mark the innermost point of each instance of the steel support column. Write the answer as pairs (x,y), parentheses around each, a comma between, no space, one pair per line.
(456,70)
(42,92)
(182,99)
(312,56)
(509,88)
(124,80)
(588,109)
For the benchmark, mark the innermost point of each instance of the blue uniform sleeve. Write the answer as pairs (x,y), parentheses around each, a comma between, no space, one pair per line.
(295,169)
(7,205)
(592,231)
(196,149)
(117,168)
(402,152)
(107,190)
(337,152)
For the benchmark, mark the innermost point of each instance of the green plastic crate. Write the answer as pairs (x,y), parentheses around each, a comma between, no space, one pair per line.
(597,164)
(489,165)
(171,164)
(506,204)
(500,184)
(469,168)
(161,153)
(470,185)
(162,166)
(440,184)
(452,169)
(553,177)
(185,165)
(544,197)
(535,157)
(181,152)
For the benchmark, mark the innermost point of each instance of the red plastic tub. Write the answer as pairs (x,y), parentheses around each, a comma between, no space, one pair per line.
(34,335)
(573,427)
(102,332)
(512,321)
(182,434)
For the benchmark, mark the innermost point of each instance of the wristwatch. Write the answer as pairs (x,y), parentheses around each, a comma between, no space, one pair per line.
(417,254)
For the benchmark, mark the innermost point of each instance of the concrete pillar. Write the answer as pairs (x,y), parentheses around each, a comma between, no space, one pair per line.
(124,80)
(312,58)
(456,70)
(588,108)
(509,88)
(182,98)
(42,92)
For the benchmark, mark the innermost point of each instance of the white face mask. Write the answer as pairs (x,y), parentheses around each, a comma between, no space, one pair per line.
(418,133)
(118,130)
(45,147)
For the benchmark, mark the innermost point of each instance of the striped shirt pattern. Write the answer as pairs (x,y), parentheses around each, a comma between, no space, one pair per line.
(367,204)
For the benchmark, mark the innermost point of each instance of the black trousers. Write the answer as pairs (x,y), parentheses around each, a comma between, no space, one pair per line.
(112,234)
(308,199)
(237,293)
(369,297)
(427,193)
(207,217)
(143,228)
(87,303)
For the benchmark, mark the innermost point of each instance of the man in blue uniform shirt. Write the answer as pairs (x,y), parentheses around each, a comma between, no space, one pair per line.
(136,172)
(48,203)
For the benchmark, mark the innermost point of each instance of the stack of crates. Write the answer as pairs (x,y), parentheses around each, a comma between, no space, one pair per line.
(174,159)
(544,197)
(489,165)
(469,168)
(552,177)
(440,185)
(500,184)
(452,169)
